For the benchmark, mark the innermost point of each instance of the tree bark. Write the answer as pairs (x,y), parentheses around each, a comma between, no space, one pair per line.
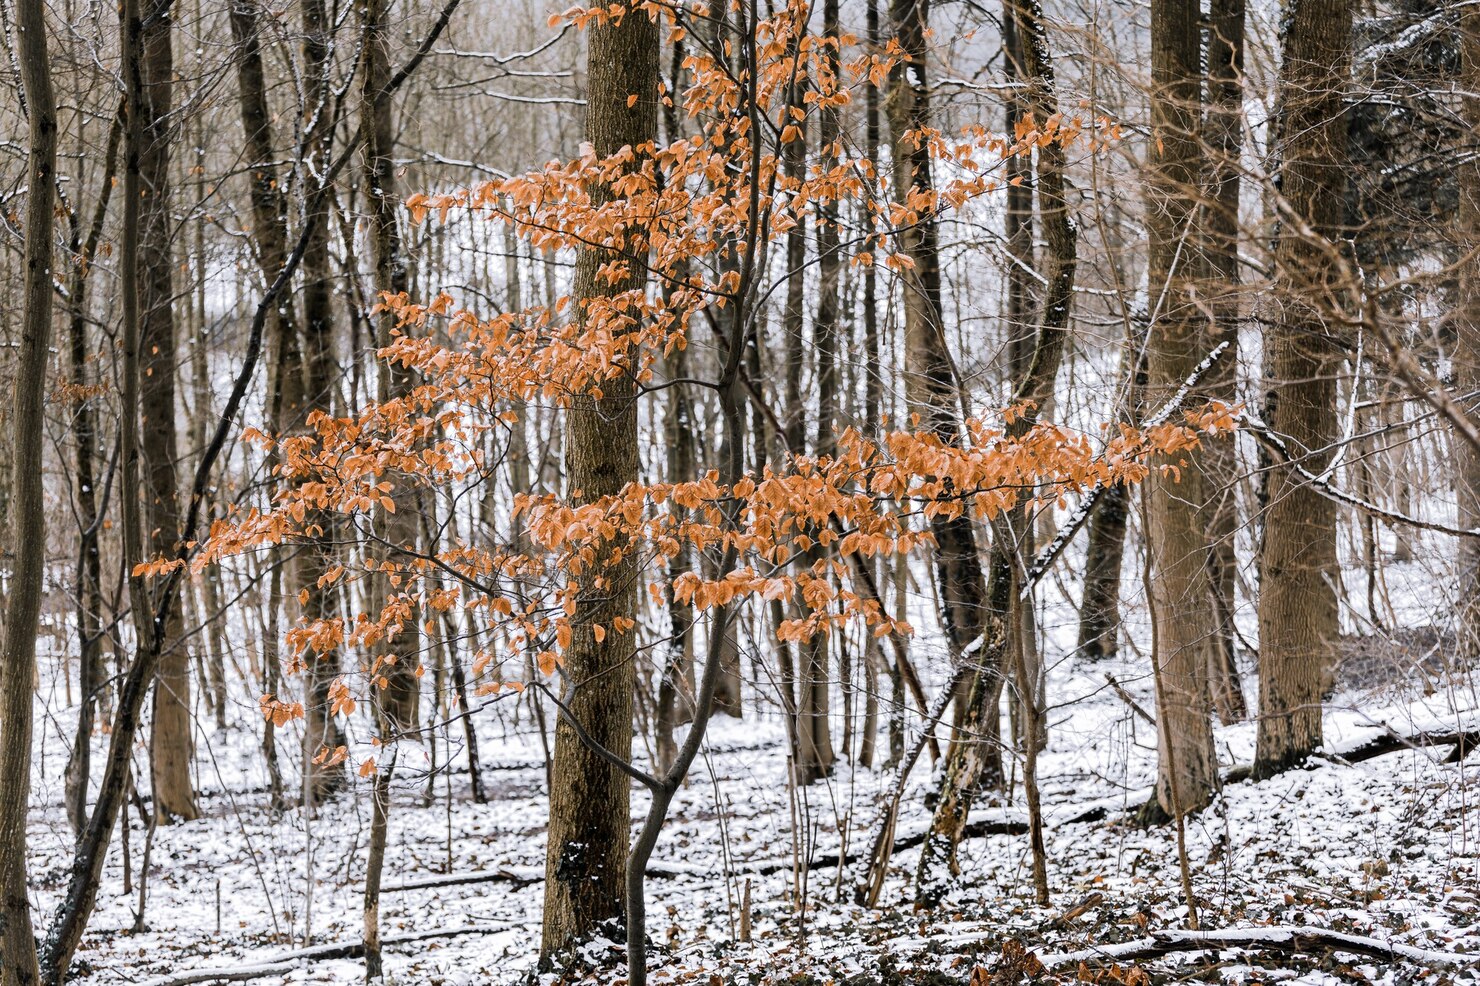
(65,934)
(971,608)
(589,797)
(930,384)
(815,756)
(397,697)
(1099,609)
(967,759)
(320,730)
(1018,231)
(18,963)
(172,745)
(676,687)
(1176,539)
(89,590)
(1467,345)
(270,234)
(1220,227)
(1297,566)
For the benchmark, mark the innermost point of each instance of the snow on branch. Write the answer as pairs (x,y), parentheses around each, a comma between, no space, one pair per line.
(1076,520)
(1321,485)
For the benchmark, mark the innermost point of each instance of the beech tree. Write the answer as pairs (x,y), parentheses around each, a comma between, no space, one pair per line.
(676,211)
(585,863)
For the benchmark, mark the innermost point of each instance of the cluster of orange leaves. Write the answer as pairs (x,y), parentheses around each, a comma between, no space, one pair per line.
(688,208)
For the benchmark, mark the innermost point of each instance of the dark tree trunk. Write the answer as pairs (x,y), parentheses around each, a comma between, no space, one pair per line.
(967,761)
(172,745)
(76,908)
(321,731)
(1099,610)
(589,797)
(930,384)
(398,697)
(90,500)
(285,389)
(1467,346)
(931,392)
(27,547)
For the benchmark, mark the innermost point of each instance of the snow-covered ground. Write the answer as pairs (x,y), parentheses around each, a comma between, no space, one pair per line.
(1386,848)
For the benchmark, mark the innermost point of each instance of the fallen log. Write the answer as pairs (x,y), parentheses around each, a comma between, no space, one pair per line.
(1463,742)
(240,974)
(1284,939)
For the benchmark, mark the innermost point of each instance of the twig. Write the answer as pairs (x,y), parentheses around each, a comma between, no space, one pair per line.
(1126,697)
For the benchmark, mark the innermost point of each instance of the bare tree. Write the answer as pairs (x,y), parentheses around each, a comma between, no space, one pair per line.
(1186,622)
(171,745)
(1467,342)
(1303,350)
(27,529)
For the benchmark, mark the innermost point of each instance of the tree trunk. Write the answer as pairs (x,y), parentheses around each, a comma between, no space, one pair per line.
(811,740)
(1185,615)
(676,687)
(873,387)
(930,384)
(966,610)
(829,251)
(27,547)
(285,389)
(589,797)
(1018,231)
(397,698)
(171,748)
(1220,227)
(1297,566)
(815,756)
(90,635)
(65,934)
(1467,346)
(380,806)
(967,760)
(1099,610)
(320,730)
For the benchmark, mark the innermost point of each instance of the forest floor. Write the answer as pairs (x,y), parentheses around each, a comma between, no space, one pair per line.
(1387,848)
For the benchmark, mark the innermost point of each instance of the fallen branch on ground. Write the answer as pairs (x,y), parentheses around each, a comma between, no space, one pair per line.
(524,876)
(519,876)
(287,962)
(1285,939)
